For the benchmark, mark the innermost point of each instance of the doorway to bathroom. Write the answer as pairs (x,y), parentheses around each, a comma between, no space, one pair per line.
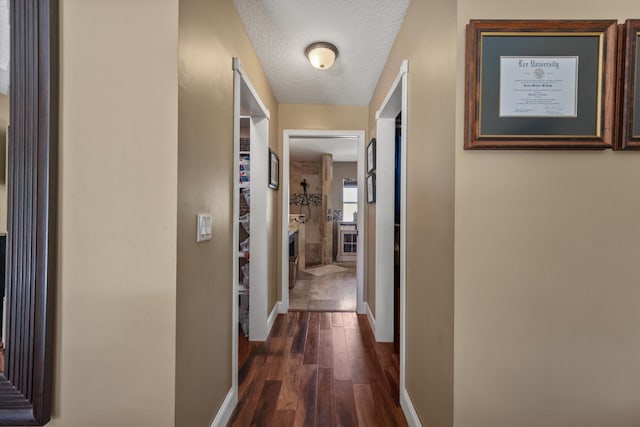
(323,180)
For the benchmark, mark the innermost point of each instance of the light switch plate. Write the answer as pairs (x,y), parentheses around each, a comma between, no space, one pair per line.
(205,224)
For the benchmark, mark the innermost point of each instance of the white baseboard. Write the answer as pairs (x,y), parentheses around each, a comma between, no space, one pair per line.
(371,317)
(224,414)
(282,309)
(272,317)
(409,411)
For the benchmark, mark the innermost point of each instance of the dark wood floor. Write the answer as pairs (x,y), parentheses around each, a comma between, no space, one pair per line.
(318,369)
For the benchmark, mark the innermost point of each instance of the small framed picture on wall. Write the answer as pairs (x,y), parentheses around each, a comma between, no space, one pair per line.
(274,170)
(371,156)
(371,188)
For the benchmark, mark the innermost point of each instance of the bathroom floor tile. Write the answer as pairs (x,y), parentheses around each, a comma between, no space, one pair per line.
(330,292)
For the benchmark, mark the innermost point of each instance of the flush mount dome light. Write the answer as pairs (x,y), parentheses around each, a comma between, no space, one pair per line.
(321,54)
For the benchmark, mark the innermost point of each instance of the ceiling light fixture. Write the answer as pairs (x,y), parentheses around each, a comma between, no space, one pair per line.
(321,54)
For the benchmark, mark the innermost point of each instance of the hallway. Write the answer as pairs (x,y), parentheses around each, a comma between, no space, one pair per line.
(318,369)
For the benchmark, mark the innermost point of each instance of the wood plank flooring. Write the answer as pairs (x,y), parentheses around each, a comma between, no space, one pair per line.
(318,369)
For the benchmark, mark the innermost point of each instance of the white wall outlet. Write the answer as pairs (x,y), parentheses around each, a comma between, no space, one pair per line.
(205,224)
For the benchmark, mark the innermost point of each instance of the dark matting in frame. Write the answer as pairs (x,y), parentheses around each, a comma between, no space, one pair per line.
(540,84)
(628,137)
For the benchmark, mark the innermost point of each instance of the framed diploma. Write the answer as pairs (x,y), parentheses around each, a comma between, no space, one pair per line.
(540,84)
(628,137)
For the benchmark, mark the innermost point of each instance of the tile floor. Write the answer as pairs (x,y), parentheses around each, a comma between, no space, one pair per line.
(331,292)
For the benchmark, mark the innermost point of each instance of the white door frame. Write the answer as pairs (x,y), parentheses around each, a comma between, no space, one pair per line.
(287,135)
(395,102)
(246,101)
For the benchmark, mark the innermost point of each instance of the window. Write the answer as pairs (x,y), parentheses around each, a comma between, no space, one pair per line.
(349,199)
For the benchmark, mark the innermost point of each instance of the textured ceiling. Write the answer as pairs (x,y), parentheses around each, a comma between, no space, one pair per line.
(312,149)
(363,31)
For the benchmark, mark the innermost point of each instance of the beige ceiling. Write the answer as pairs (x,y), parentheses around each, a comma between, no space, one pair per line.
(363,31)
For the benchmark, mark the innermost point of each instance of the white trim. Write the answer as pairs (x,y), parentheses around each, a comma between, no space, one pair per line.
(362,222)
(235,275)
(284,250)
(226,410)
(409,411)
(397,101)
(272,317)
(258,246)
(390,99)
(370,316)
(404,68)
(285,167)
(403,225)
(243,93)
(385,229)
(237,66)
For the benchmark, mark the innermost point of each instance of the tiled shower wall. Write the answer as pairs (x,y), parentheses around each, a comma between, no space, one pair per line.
(310,171)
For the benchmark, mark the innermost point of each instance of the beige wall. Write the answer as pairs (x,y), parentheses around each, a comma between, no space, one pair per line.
(115,333)
(546,286)
(211,33)
(4,111)
(427,40)
(321,117)
(546,327)
(369,290)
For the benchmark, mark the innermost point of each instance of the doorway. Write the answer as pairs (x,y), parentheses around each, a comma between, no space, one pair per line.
(397,238)
(322,227)
(306,202)
(391,220)
(250,312)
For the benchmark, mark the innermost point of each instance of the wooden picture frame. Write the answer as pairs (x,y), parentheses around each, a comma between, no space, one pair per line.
(274,170)
(371,188)
(540,84)
(371,155)
(628,134)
